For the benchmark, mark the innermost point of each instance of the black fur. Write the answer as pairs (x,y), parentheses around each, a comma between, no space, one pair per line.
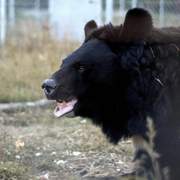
(130,72)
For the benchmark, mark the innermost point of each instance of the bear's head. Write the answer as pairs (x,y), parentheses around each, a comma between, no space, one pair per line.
(92,81)
(86,77)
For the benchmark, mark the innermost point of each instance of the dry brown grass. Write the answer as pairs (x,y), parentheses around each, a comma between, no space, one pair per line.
(28,57)
(67,148)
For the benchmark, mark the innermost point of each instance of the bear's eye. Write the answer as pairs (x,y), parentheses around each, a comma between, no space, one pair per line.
(79,67)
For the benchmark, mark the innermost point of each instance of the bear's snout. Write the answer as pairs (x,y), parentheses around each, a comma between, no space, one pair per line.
(49,86)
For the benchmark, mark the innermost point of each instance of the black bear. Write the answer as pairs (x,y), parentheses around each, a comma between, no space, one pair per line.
(124,78)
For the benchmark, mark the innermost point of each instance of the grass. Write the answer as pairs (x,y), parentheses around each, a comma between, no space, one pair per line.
(28,57)
(63,148)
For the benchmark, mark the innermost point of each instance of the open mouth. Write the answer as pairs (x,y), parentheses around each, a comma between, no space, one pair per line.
(64,107)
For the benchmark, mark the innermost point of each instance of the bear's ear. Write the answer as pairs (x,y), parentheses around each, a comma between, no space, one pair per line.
(89,27)
(137,25)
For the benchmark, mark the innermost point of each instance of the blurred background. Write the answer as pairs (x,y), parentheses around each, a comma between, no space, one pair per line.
(35,35)
(67,18)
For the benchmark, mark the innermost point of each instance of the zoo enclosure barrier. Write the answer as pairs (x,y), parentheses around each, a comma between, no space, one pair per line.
(61,15)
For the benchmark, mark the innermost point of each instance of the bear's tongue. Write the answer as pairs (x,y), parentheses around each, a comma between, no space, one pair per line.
(64,107)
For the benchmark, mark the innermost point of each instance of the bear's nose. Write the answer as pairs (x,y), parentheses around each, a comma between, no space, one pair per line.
(49,86)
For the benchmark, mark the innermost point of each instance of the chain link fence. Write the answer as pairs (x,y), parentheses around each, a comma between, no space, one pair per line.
(67,18)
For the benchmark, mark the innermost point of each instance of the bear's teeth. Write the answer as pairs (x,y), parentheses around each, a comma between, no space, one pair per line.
(64,103)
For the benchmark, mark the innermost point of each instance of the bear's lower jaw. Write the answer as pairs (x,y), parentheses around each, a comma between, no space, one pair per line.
(63,108)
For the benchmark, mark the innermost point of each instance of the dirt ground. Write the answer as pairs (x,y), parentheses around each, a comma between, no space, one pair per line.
(36,145)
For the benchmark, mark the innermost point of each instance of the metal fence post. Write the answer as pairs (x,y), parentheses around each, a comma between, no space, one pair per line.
(134,3)
(109,10)
(161,12)
(11,16)
(3,20)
